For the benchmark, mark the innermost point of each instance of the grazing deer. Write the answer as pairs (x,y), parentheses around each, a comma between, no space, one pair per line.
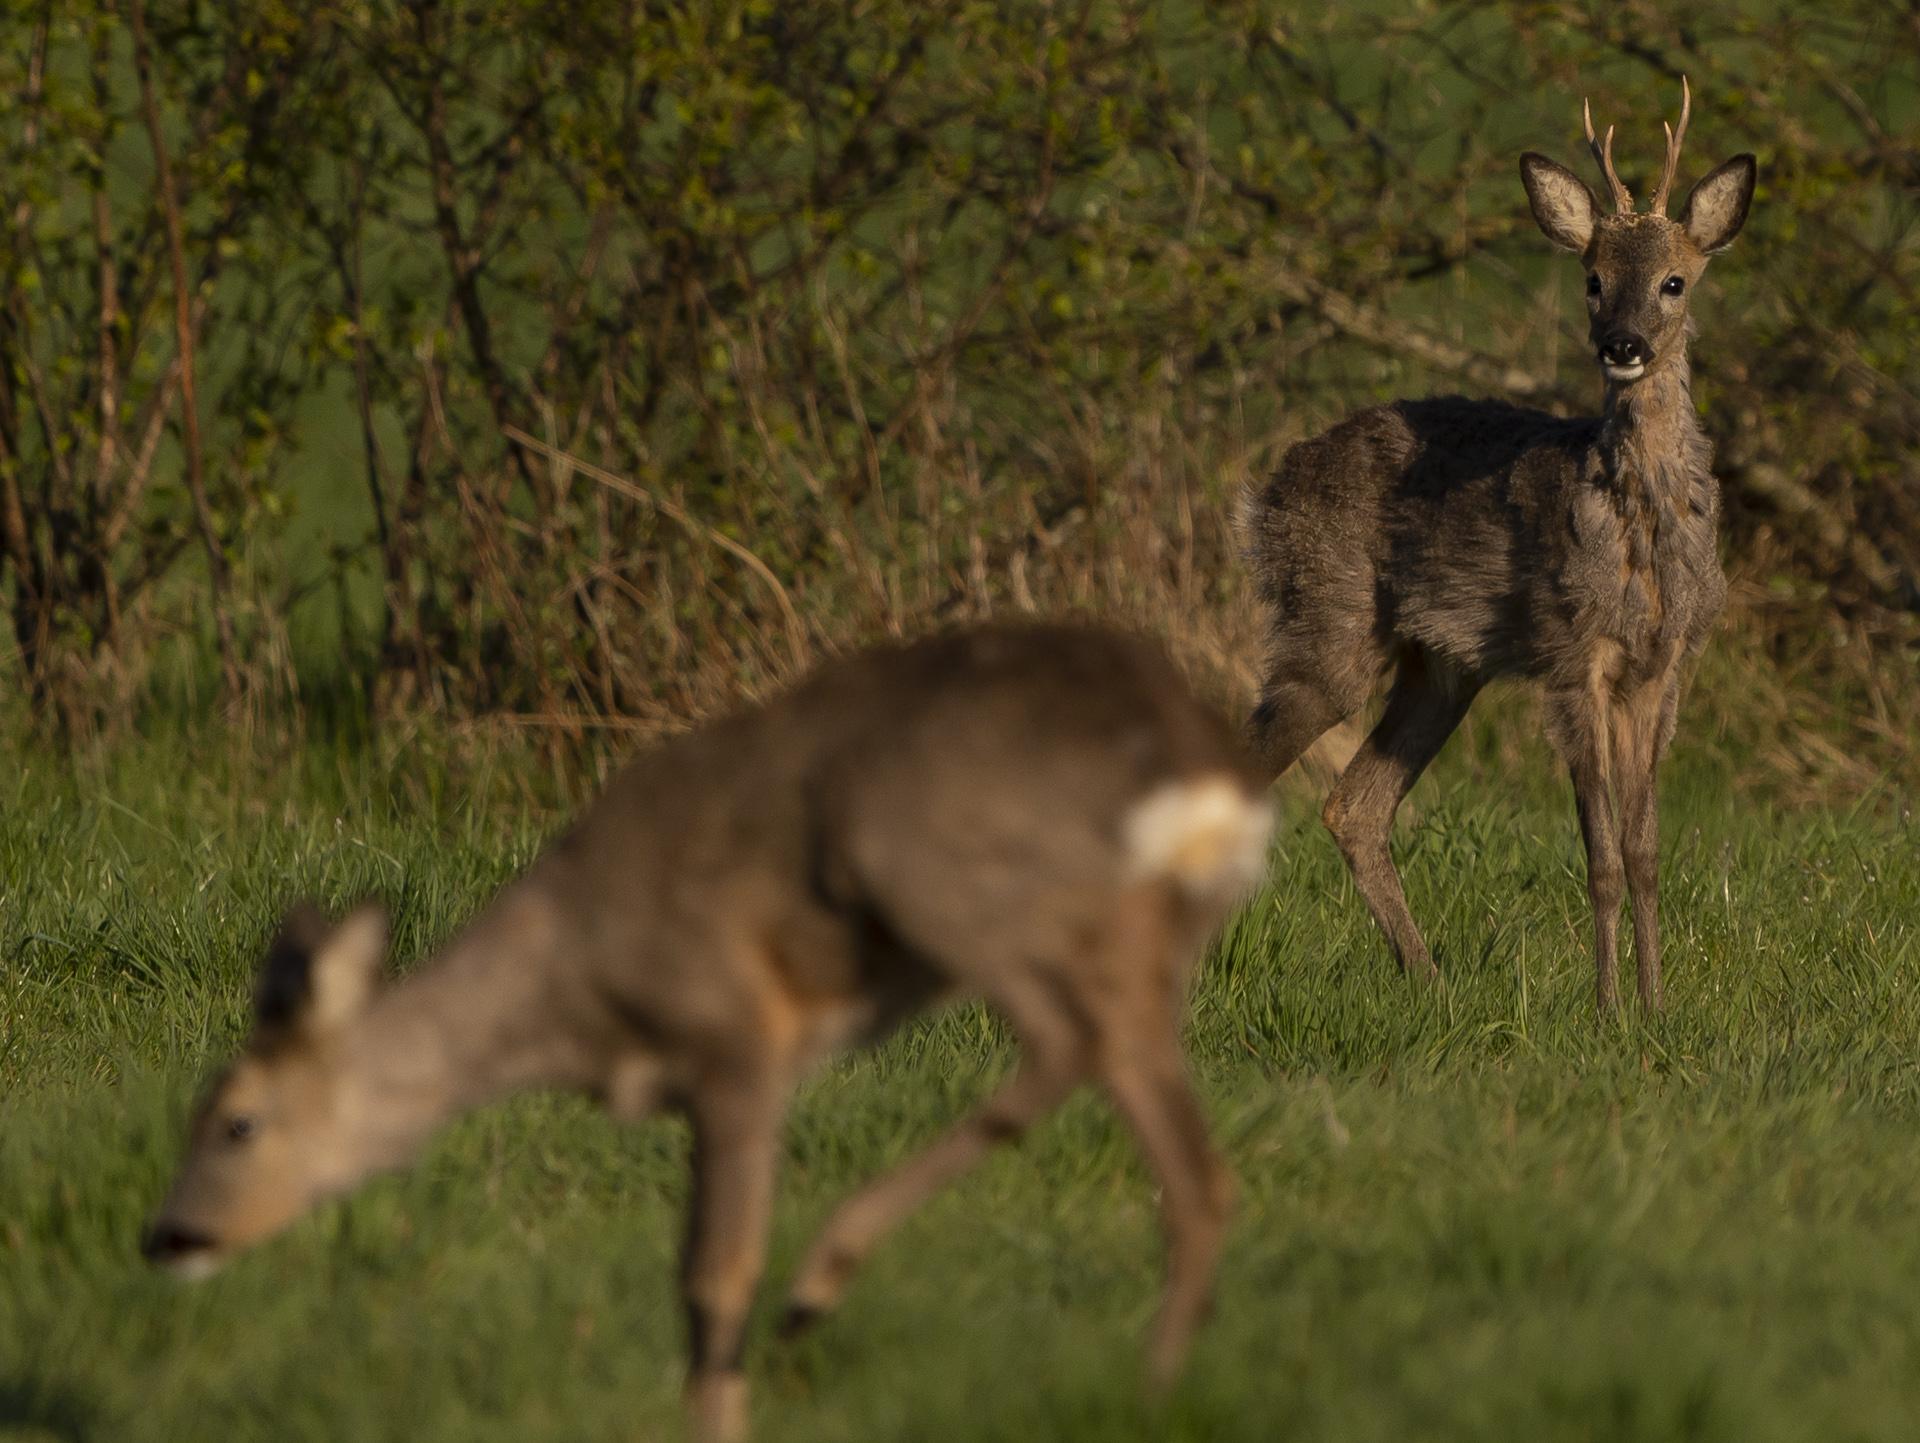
(1042,818)
(1458,541)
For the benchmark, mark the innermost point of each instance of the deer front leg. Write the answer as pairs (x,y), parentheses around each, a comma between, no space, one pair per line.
(1638,734)
(736,1132)
(1579,726)
(1427,703)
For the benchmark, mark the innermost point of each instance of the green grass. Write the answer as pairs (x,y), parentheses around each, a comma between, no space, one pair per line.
(1469,1214)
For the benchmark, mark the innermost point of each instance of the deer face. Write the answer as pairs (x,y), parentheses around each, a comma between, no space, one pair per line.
(1641,268)
(1640,273)
(277,1132)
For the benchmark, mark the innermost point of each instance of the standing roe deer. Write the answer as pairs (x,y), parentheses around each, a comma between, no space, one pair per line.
(1460,540)
(1042,818)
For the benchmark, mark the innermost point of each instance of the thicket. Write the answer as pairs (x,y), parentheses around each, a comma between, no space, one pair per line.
(686,341)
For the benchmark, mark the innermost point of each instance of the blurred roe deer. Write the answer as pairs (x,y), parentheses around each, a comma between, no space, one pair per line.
(1042,818)
(1458,540)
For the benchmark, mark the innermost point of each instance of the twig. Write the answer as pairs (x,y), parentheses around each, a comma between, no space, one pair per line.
(1376,327)
(189,401)
(122,514)
(796,632)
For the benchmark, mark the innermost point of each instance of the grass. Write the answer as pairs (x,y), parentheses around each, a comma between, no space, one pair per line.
(1475,1213)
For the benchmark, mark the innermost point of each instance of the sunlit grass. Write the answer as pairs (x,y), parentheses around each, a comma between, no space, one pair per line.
(1472,1212)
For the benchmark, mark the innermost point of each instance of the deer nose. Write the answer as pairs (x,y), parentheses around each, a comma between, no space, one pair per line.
(1624,348)
(168,1241)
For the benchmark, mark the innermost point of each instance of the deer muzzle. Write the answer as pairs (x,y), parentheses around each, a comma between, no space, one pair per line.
(1625,354)
(180,1250)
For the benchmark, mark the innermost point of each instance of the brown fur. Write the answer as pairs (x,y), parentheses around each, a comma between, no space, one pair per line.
(1456,541)
(960,817)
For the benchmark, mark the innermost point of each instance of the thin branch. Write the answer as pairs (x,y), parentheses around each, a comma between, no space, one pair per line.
(189,402)
(142,468)
(796,631)
(1377,328)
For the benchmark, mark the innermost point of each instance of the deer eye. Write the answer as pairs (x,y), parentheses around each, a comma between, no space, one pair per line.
(240,1129)
(1673,286)
(1593,285)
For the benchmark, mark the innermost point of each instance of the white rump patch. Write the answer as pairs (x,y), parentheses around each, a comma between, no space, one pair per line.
(1206,834)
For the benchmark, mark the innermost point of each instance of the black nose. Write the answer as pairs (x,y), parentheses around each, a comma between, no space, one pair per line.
(1624,348)
(168,1241)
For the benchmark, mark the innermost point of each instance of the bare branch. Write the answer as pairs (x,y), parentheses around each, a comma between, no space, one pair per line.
(796,631)
(189,403)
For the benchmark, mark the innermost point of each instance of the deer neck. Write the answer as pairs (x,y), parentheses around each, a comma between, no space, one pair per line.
(482,1020)
(1650,435)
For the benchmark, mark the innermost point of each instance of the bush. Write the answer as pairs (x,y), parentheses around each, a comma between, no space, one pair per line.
(687,341)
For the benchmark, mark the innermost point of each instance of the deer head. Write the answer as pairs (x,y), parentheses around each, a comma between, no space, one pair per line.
(283,1127)
(1641,268)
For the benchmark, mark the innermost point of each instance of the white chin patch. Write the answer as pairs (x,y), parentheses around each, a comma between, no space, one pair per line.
(195,1267)
(1625,373)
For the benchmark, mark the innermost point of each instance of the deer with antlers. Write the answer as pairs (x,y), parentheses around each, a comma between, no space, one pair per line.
(1454,541)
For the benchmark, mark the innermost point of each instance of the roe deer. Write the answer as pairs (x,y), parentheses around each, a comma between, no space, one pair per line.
(1042,818)
(1459,540)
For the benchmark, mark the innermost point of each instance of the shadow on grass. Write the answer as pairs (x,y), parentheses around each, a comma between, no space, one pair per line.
(31,1408)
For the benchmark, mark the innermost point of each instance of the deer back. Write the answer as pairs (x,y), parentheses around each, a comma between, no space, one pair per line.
(909,797)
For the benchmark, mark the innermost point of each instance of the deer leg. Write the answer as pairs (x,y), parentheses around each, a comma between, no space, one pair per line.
(736,1130)
(1144,1072)
(1055,1060)
(1291,716)
(1637,745)
(1422,711)
(1579,727)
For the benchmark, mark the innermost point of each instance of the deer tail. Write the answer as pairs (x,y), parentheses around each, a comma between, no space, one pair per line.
(1204,832)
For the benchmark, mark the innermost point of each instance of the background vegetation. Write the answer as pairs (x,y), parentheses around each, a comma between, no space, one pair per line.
(593,367)
(478,389)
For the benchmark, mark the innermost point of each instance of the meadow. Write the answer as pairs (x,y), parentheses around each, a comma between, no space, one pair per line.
(570,374)
(1476,1212)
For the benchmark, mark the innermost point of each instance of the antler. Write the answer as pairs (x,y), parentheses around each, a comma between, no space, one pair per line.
(1674,137)
(1622,197)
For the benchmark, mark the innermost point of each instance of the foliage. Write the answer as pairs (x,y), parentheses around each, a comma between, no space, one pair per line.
(820,322)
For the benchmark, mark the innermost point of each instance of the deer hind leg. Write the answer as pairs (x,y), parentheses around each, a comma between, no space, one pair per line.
(1426,704)
(1639,732)
(736,1130)
(1139,1001)
(1579,722)
(1303,696)
(1056,1058)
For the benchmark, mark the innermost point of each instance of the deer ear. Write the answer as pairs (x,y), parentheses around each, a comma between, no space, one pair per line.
(1563,205)
(316,977)
(1717,209)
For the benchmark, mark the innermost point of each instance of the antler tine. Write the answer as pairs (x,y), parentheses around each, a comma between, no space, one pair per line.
(1622,197)
(1674,138)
